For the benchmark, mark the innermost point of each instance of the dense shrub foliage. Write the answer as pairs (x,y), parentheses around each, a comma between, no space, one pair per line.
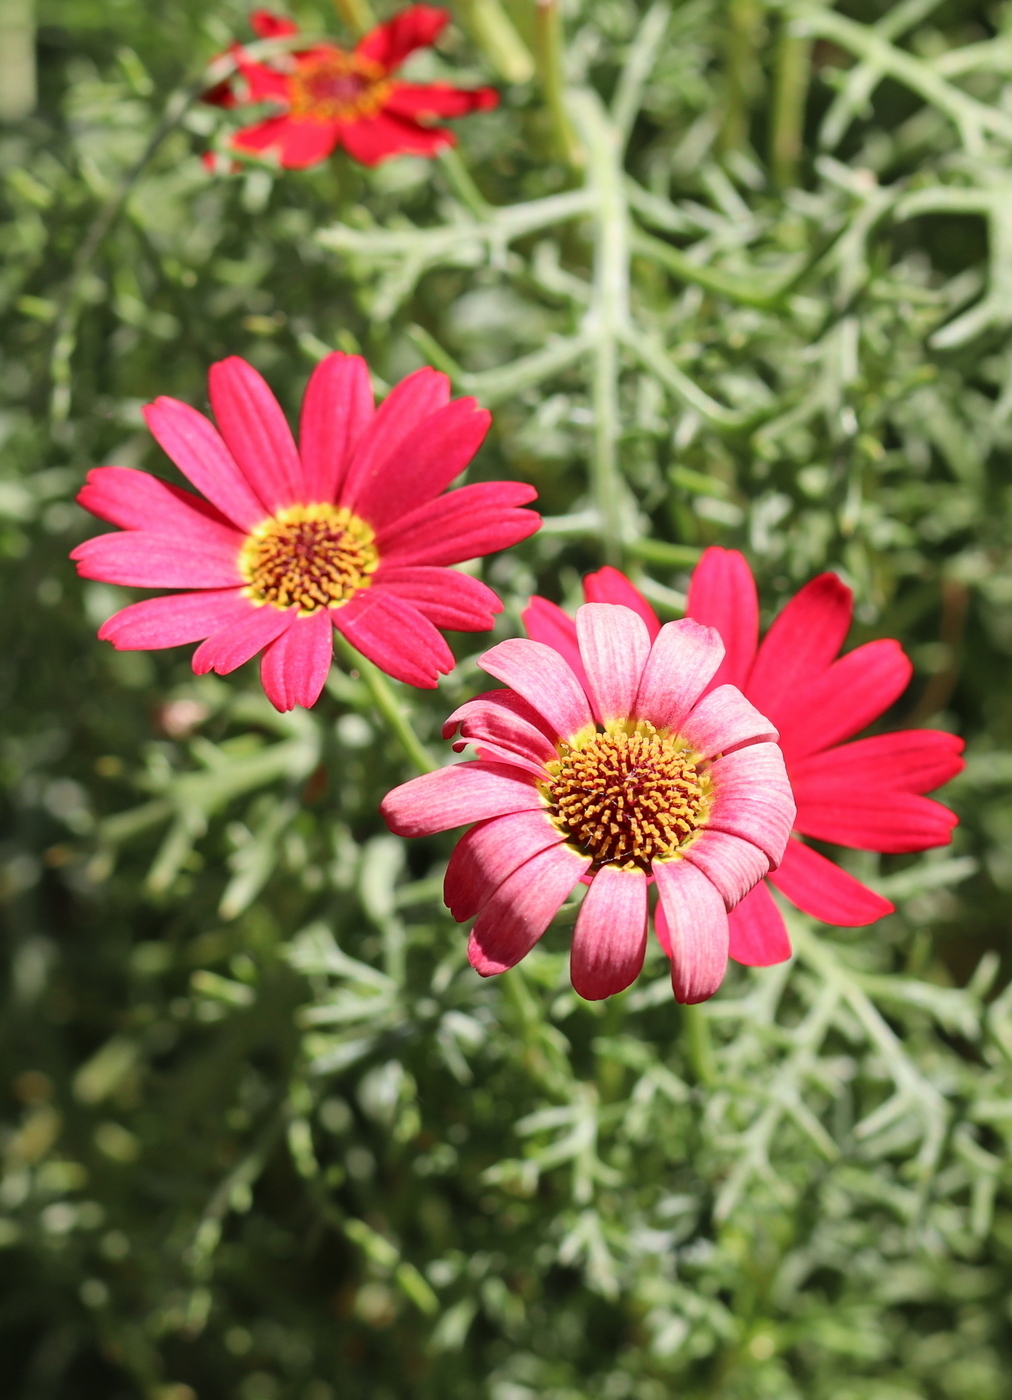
(725,273)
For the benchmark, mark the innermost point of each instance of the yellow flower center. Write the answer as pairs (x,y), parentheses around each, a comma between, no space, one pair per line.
(308,557)
(629,796)
(337,85)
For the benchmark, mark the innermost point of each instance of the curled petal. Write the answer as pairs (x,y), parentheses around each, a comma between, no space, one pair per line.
(734,865)
(542,678)
(395,635)
(752,798)
(236,644)
(295,666)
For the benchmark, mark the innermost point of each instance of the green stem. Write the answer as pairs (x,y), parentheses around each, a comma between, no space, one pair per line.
(357,15)
(493,31)
(790,94)
(698,1044)
(548,52)
(386,701)
(744,77)
(463,185)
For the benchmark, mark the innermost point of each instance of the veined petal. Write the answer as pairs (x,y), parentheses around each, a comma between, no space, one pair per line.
(682,662)
(136,500)
(886,821)
(414,28)
(610,938)
(722,594)
(823,890)
(801,644)
(490,852)
(546,622)
(731,863)
(175,619)
(446,597)
(752,798)
(257,433)
(542,678)
(237,643)
(609,585)
(912,760)
(458,795)
(847,696)
(463,524)
(614,644)
(517,913)
(295,666)
(198,451)
(758,932)
(139,559)
(724,720)
(480,721)
(395,635)
(407,405)
(336,410)
(696,929)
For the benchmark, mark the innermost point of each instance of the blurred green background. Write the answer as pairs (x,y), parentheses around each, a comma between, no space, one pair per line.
(265,1135)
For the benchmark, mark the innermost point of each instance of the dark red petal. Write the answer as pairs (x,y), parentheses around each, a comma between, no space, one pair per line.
(407,405)
(336,410)
(389,44)
(722,594)
(294,667)
(758,934)
(804,640)
(823,890)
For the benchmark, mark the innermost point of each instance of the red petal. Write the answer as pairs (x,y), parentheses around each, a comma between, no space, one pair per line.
(758,932)
(722,594)
(520,910)
(911,760)
(257,433)
(608,585)
(414,28)
(614,644)
(370,140)
(198,451)
(804,640)
(233,646)
(439,100)
(458,795)
(142,559)
(489,853)
(846,697)
(395,635)
(541,677)
(464,524)
(336,410)
(823,890)
(695,933)
(267,25)
(407,405)
(447,598)
(295,666)
(136,500)
(298,143)
(174,620)
(890,822)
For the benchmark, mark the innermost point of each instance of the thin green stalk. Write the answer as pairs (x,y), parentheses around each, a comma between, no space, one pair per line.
(790,95)
(698,1044)
(548,47)
(493,31)
(386,701)
(463,185)
(357,15)
(744,78)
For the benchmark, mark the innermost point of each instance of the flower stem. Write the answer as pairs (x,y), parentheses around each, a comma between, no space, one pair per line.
(386,701)
(357,15)
(495,34)
(697,1044)
(463,185)
(790,91)
(548,50)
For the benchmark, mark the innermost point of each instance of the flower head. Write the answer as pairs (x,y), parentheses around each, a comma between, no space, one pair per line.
(332,97)
(628,771)
(867,794)
(350,529)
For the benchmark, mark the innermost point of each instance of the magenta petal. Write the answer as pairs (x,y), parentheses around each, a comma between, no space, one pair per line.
(823,890)
(758,932)
(463,524)
(890,822)
(541,677)
(458,795)
(336,410)
(504,700)
(446,597)
(518,912)
(395,635)
(198,451)
(295,665)
(608,585)
(610,938)
(488,853)
(734,865)
(233,646)
(843,699)
(614,644)
(407,405)
(138,559)
(724,720)
(546,622)
(722,594)
(257,433)
(752,798)
(483,721)
(683,660)
(137,500)
(912,760)
(803,641)
(174,620)
(696,929)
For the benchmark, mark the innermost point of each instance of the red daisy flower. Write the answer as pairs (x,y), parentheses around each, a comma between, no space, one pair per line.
(627,769)
(867,795)
(332,97)
(350,529)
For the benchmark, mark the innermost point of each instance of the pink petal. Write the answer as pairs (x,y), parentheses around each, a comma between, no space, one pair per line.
(174,620)
(488,853)
(850,694)
(407,405)
(336,410)
(395,635)
(608,585)
(493,723)
(294,667)
(682,662)
(464,524)
(614,644)
(610,938)
(141,560)
(199,453)
(752,798)
(455,796)
(413,28)
(734,865)
(758,932)
(518,912)
(546,622)
(803,641)
(439,100)
(912,760)
(235,644)
(541,677)
(724,720)
(890,822)
(823,890)
(139,501)
(506,700)
(696,929)
(257,433)
(422,463)
(447,598)
(722,594)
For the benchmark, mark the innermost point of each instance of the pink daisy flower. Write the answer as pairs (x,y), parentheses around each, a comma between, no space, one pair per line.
(867,795)
(350,529)
(624,770)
